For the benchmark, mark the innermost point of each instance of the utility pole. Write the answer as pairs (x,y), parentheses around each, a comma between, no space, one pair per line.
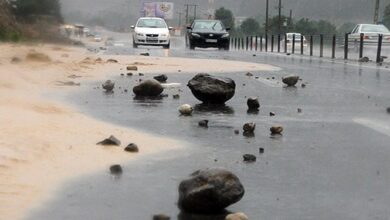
(180,14)
(266,17)
(376,13)
(195,11)
(280,16)
(290,21)
(187,8)
(186,5)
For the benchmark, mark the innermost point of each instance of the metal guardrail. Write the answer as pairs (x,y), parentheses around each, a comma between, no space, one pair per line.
(268,43)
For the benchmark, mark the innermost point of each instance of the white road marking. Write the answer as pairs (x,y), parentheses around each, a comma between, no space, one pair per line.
(379,126)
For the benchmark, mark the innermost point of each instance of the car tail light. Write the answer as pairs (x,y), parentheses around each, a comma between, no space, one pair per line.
(366,37)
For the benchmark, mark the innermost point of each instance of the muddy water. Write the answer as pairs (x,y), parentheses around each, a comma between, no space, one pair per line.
(323,167)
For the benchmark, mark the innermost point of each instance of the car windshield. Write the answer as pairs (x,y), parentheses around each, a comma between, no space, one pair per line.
(209,25)
(375,29)
(151,23)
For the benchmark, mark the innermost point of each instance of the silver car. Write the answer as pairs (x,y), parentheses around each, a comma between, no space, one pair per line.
(371,34)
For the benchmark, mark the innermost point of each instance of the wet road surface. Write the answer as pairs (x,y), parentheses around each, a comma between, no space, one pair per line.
(331,162)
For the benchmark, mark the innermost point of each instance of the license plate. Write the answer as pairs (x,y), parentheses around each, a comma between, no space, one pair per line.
(152,38)
(211,40)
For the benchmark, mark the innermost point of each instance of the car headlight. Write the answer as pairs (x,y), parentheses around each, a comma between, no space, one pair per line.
(164,35)
(140,34)
(195,35)
(225,35)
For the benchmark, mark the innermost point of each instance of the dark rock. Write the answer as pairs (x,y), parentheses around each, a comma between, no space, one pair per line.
(16,60)
(288,54)
(176,96)
(249,74)
(122,74)
(161,78)
(112,61)
(253,55)
(161,217)
(276,129)
(149,87)
(116,169)
(209,191)
(249,128)
(253,103)
(125,90)
(290,80)
(261,150)
(212,89)
(112,140)
(203,123)
(303,85)
(236,131)
(272,114)
(388,110)
(108,85)
(144,54)
(249,158)
(132,68)
(273,77)
(141,74)
(364,59)
(299,110)
(133,148)
(129,74)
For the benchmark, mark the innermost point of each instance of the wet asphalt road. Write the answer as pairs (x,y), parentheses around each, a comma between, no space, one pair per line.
(331,162)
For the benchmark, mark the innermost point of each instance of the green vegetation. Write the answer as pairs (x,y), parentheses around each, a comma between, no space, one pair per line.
(226,16)
(386,16)
(7,35)
(27,9)
(250,26)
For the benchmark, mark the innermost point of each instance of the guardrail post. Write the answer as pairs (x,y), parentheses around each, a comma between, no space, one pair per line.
(251,43)
(301,44)
(379,51)
(321,45)
(235,43)
(293,44)
(361,45)
(346,47)
(334,47)
(285,43)
(256,43)
(246,42)
(261,43)
(266,43)
(311,45)
(278,43)
(272,43)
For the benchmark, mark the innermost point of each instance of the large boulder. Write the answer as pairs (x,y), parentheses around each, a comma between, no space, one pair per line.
(290,80)
(212,89)
(149,87)
(209,191)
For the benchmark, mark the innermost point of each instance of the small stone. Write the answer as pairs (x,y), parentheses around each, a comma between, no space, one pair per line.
(249,158)
(161,78)
(256,77)
(141,74)
(161,217)
(272,114)
(273,77)
(112,61)
(125,90)
(108,85)
(299,110)
(276,129)
(303,85)
(112,140)
(236,131)
(249,127)
(253,103)
(116,169)
(253,55)
(133,148)
(290,80)
(176,96)
(186,109)
(364,59)
(249,74)
(129,74)
(204,123)
(122,74)
(132,68)
(144,54)
(288,54)
(261,150)
(236,216)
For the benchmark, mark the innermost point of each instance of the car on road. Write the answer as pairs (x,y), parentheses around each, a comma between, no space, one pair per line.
(371,33)
(207,33)
(98,38)
(151,31)
(289,37)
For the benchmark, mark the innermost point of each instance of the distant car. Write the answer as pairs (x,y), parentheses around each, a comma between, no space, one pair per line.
(151,31)
(208,33)
(371,33)
(97,38)
(298,36)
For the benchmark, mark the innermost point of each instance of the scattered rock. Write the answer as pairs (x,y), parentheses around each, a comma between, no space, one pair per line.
(112,140)
(249,128)
(116,169)
(132,68)
(290,80)
(133,148)
(236,216)
(141,74)
(108,85)
(16,60)
(253,103)
(186,109)
(161,217)
(204,123)
(303,85)
(388,110)
(249,158)
(236,131)
(276,129)
(38,57)
(209,191)
(212,89)
(176,96)
(122,74)
(125,90)
(288,54)
(253,55)
(112,61)
(261,150)
(161,78)
(144,54)
(299,110)
(272,114)
(129,74)
(249,74)
(149,87)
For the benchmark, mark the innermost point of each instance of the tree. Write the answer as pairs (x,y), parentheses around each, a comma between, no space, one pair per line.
(386,16)
(226,16)
(28,8)
(273,25)
(250,26)
(345,28)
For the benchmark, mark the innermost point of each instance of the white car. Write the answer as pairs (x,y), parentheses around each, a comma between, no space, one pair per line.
(297,40)
(370,32)
(151,31)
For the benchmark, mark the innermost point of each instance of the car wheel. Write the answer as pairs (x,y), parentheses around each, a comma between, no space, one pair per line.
(166,46)
(191,45)
(135,45)
(226,47)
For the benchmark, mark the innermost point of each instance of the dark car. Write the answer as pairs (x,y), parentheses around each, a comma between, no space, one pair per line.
(208,33)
